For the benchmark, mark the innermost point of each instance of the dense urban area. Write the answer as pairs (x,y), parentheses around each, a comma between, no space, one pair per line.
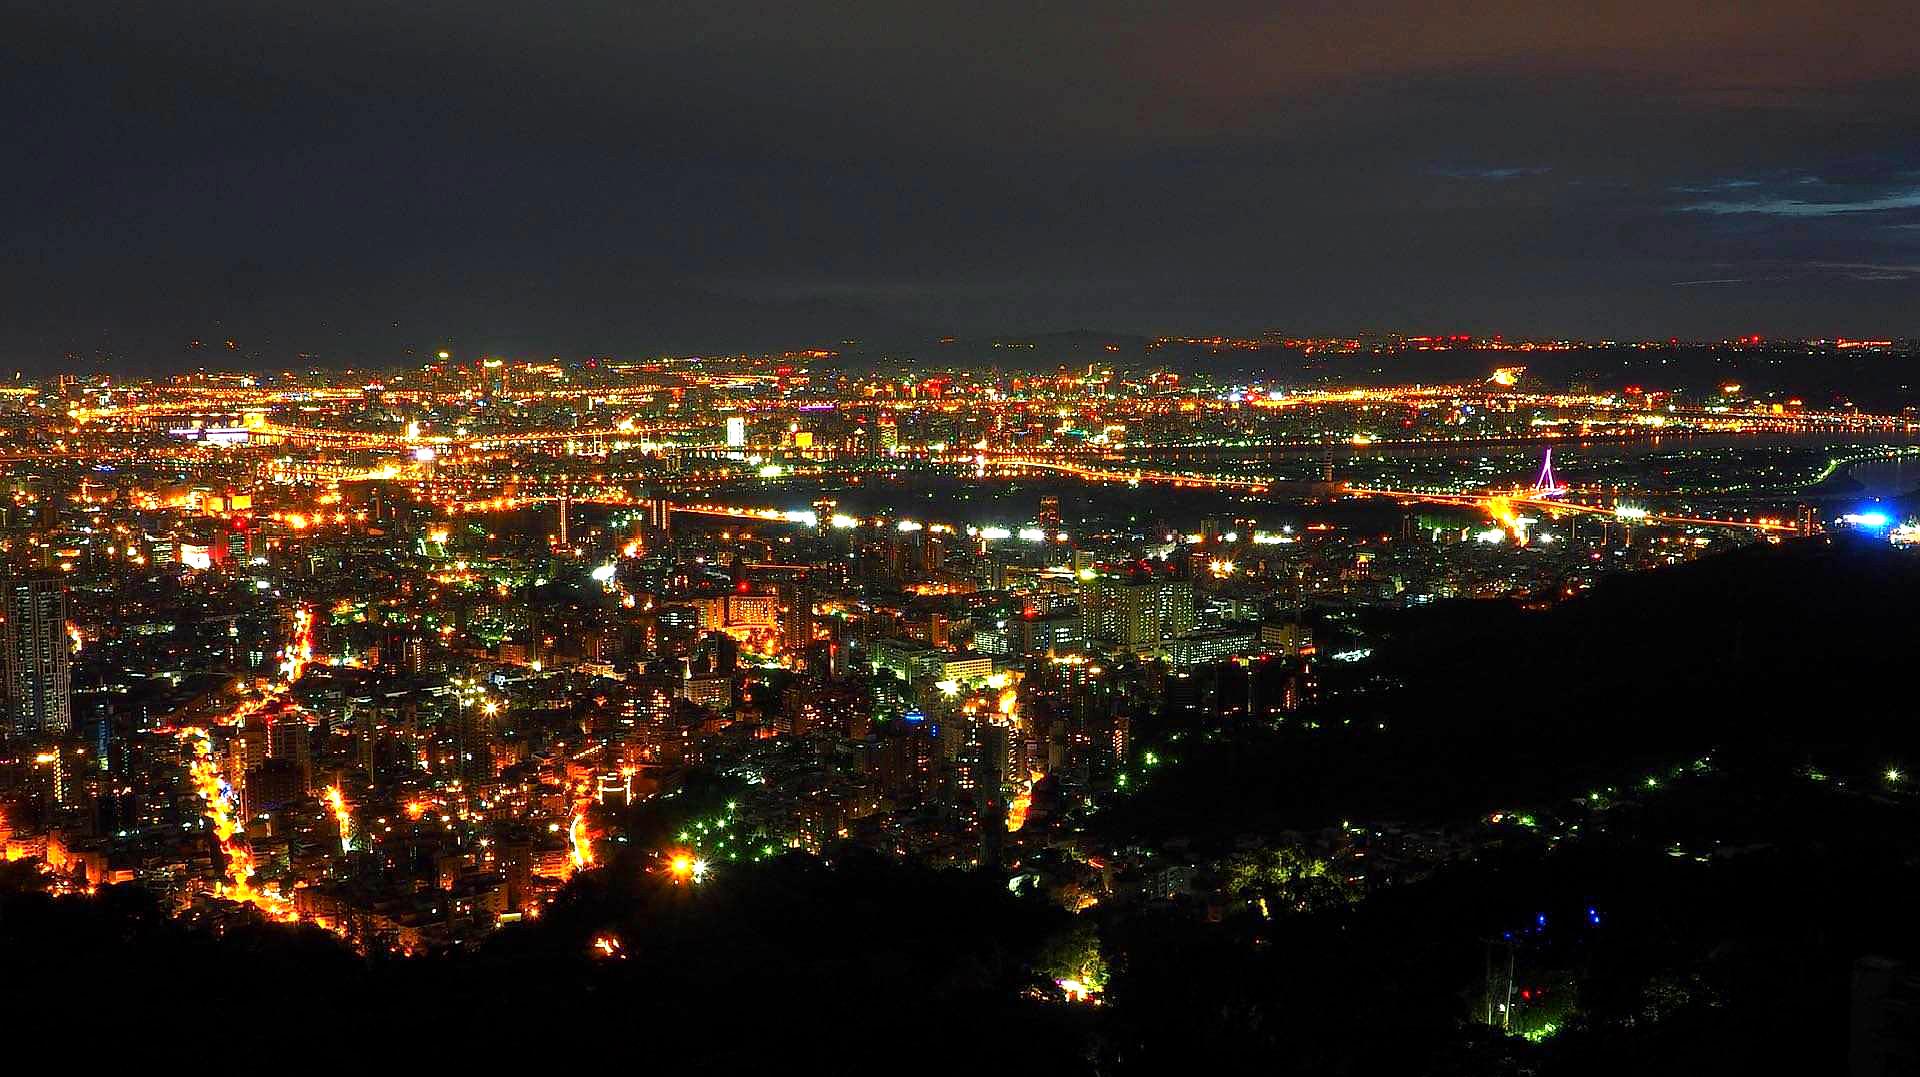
(1118,714)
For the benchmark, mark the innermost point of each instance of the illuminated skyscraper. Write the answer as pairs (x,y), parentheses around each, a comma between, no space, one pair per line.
(38,658)
(1049,518)
(659,521)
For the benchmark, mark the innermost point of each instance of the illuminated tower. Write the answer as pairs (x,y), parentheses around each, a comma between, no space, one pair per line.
(1050,515)
(659,520)
(38,658)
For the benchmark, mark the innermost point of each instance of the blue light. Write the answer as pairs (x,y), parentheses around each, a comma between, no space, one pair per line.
(1541,919)
(1872,520)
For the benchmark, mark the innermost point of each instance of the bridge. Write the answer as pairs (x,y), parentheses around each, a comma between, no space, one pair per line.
(1548,496)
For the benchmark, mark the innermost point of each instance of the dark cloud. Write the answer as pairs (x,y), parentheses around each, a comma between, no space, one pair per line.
(1800,207)
(355,179)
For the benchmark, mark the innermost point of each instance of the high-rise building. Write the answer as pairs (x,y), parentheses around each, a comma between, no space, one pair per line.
(648,700)
(1049,518)
(659,521)
(885,435)
(1135,609)
(796,617)
(290,738)
(736,431)
(38,657)
(711,690)
(471,725)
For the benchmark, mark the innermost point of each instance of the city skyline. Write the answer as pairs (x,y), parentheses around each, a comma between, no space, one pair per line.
(1092,540)
(466,667)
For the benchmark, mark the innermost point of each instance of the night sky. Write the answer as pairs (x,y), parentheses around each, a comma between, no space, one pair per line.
(358,181)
